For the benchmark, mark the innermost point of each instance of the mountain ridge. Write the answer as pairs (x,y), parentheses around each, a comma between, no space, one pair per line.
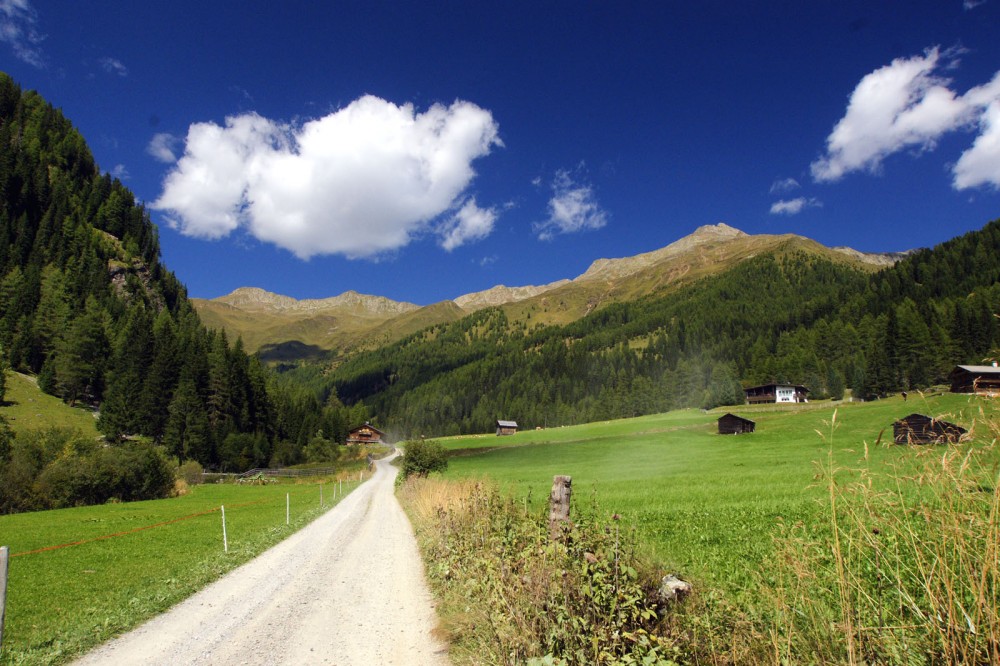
(352,320)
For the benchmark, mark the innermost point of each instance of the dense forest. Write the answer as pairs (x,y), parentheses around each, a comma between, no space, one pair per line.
(87,308)
(782,316)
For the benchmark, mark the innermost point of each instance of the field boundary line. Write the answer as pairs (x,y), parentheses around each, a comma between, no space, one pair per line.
(131,531)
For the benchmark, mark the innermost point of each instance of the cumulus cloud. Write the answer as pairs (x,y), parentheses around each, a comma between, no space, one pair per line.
(18,21)
(573,207)
(784,185)
(114,66)
(907,104)
(162,147)
(470,223)
(794,206)
(120,172)
(358,182)
(980,165)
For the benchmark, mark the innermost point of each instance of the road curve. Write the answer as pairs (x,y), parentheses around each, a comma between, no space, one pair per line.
(348,589)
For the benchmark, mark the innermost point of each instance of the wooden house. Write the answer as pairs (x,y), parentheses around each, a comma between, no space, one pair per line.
(365,434)
(506,427)
(920,429)
(777,393)
(730,424)
(978,379)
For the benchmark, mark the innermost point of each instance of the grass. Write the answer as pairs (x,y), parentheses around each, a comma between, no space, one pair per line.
(124,563)
(704,504)
(26,407)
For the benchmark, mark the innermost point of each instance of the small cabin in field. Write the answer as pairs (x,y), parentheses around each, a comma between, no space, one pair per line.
(506,427)
(777,393)
(978,379)
(730,424)
(365,434)
(920,429)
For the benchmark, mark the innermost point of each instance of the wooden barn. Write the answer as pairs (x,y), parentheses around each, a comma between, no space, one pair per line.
(920,429)
(779,393)
(365,434)
(978,379)
(506,427)
(730,424)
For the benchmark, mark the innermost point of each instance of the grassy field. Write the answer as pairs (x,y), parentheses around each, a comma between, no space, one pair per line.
(707,505)
(80,576)
(28,408)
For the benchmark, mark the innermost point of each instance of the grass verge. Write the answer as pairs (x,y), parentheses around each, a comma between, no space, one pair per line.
(80,576)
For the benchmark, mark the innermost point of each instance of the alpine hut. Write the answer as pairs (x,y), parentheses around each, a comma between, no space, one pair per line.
(506,427)
(730,424)
(978,379)
(921,429)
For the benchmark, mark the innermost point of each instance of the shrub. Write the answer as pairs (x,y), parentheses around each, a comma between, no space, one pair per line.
(513,596)
(190,471)
(423,457)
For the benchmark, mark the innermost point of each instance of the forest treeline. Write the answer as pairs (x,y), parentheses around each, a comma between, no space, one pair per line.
(87,307)
(784,316)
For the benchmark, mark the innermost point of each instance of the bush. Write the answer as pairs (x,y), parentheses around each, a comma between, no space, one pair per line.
(513,596)
(190,471)
(423,457)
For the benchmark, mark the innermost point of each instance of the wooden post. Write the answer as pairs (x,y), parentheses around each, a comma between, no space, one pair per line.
(225,540)
(4,558)
(562,488)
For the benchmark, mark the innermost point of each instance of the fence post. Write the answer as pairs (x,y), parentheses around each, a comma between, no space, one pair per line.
(562,488)
(287,507)
(225,540)
(4,558)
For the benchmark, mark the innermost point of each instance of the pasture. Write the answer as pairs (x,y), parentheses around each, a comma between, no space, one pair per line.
(80,576)
(703,504)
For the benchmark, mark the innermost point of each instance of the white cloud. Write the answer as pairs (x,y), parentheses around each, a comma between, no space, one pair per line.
(162,147)
(907,105)
(114,66)
(18,28)
(969,5)
(357,182)
(573,207)
(470,223)
(980,165)
(794,206)
(120,172)
(784,185)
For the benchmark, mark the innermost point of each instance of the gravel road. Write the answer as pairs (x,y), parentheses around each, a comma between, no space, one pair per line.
(347,589)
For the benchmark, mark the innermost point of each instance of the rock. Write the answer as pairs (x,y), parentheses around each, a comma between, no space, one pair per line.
(672,589)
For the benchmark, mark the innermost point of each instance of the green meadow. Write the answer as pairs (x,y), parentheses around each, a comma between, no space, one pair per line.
(707,505)
(79,576)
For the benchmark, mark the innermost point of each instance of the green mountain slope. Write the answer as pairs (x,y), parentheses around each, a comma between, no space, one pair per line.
(784,310)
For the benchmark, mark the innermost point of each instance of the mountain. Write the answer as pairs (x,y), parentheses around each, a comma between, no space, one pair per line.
(90,312)
(713,313)
(284,329)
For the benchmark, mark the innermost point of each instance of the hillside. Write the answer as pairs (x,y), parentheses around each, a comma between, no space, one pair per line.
(91,314)
(739,312)
(284,329)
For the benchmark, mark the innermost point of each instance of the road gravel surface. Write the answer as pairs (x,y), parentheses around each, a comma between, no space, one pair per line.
(348,589)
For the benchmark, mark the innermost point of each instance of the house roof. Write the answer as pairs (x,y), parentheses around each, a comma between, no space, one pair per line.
(923,417)
(369,426)
(506,424)
(979,369)
(799,387)
(734,416)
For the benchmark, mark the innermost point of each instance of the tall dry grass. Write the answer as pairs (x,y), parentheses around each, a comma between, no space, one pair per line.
(906,569)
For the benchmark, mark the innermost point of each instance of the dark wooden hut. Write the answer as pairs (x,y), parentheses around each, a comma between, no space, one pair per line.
(365,434)
(920,429)
(506,427)
(979,379)
(730,424)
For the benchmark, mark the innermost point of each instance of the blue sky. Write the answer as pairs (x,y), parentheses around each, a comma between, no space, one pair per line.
(421,151)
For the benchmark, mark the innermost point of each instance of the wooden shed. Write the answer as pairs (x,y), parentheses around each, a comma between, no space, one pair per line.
(730,424)
(365,434)
(978,379)
(921,429)
(779,393)
(506,427)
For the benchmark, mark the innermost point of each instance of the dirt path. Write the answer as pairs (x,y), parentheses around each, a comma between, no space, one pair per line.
(347,589)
